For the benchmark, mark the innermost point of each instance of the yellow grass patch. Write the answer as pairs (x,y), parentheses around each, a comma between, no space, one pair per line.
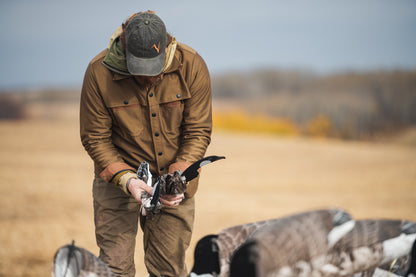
(238,120)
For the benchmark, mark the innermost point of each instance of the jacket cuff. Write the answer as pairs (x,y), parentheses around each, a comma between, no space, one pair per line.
(116,178)
(124,180)
(113,169)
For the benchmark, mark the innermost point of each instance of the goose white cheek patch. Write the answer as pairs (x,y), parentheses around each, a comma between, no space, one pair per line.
(338,232)
(397,247)
(202,275)
(201,165)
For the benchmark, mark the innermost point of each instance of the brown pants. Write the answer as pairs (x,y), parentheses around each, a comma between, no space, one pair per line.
(165,237)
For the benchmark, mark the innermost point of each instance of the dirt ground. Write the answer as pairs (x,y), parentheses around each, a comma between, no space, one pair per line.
(46,177)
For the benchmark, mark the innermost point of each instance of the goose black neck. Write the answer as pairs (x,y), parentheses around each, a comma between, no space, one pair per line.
(412,268)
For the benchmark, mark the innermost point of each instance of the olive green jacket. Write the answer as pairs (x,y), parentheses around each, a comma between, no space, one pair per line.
(123,123)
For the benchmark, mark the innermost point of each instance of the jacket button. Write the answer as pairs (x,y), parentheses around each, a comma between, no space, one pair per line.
(153,114)
(126,102)
(178,95)
(160,153)
(156,134)
(151,94)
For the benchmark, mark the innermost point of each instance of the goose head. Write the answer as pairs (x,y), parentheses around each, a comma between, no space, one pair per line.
(68,261)
(206,257)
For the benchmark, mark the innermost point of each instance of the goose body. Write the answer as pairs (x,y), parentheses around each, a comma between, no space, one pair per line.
(213,253)
(73,261)
(295,250)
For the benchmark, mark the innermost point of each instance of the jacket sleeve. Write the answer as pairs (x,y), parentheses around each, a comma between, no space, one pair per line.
(95,129)
(197,120)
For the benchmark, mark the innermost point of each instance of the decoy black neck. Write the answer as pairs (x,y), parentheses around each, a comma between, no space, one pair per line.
(412,269)
(206,256)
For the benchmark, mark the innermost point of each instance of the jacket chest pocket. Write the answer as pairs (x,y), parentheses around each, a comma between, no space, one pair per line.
(171,95)
(129,119)
(172,116)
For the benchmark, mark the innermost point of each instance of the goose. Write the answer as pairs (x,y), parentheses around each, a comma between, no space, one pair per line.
(170,183)
(73,261)
(291,249)
(213,252)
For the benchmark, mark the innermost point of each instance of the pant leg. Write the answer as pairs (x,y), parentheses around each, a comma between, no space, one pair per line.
(166,236)
(116,223)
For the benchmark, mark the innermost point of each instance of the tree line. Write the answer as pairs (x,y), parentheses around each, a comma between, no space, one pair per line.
(347,105)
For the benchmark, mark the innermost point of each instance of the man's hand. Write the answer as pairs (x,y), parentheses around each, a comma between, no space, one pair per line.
(137,187)
(178,166)
(170,200)
(174,200)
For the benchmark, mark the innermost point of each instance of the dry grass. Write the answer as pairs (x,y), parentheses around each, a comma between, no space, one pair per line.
(45,187)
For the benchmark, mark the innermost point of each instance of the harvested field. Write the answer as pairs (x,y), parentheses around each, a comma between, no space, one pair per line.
(46,177)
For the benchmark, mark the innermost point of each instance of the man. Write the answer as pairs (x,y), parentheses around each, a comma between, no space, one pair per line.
(145,98)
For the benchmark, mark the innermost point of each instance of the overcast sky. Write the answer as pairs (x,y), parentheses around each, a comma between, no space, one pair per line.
(50,42)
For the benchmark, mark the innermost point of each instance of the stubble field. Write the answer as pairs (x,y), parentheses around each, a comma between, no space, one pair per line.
(46,177)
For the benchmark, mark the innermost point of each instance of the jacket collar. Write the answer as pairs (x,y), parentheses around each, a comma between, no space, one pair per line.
(176,65)
(115,61)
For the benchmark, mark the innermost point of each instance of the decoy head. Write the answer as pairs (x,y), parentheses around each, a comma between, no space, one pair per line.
(68,261)
(206,257)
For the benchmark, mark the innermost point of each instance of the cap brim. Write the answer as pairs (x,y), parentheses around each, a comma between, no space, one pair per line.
(145,66)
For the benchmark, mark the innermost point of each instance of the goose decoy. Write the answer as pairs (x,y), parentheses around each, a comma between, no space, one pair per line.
(171,183)
(213,252)
(73,261)
(366,249)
